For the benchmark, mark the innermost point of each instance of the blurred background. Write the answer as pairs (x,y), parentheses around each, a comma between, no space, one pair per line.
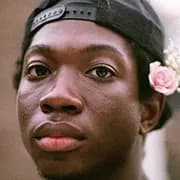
(15,163)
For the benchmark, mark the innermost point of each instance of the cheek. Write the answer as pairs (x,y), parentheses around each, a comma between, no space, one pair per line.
(115,132)
(28,99)
(115,120)
(27,105)
(118,121)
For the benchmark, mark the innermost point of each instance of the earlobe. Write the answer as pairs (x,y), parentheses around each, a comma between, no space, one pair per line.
(151,111)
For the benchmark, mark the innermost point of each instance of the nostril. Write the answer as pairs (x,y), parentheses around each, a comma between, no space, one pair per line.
(65,108)
(70,108)
(46,108)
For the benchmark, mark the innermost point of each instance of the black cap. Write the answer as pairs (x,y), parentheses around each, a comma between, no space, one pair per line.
(135,19)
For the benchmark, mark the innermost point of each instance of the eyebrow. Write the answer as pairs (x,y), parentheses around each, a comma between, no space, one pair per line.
(42,49)
(102,47)
(92,48)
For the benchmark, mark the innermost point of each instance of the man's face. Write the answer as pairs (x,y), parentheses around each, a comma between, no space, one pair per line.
(78,101)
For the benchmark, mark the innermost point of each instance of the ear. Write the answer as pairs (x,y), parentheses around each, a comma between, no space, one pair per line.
(151,112)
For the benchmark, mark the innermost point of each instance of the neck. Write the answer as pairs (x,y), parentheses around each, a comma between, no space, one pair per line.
(132,169)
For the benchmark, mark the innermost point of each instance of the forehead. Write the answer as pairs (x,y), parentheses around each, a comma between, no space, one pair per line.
(78,34)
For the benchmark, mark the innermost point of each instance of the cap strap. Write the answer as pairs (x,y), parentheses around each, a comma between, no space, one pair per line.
(71,11)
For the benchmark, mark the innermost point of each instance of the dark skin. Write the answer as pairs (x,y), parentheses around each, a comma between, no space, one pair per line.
(78,105)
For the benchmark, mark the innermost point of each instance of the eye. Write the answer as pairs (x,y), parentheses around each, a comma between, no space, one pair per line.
(37,72)
(102,72)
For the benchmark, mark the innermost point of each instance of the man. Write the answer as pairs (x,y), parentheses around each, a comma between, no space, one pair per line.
(84,101)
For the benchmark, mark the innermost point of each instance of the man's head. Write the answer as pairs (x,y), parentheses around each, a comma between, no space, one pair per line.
(84,101)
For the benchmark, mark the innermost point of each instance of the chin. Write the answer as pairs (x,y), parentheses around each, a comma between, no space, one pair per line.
(53,171)
(59,176)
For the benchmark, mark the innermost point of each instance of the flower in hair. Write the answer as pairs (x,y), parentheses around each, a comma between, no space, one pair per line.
(166,79)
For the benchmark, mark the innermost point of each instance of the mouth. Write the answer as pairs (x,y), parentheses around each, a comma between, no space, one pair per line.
(58,137)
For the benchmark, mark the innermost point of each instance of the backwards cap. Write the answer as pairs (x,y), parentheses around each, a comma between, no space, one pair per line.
(135,19)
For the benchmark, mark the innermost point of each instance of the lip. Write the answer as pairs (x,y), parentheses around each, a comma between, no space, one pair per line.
(58,144)
(62,137)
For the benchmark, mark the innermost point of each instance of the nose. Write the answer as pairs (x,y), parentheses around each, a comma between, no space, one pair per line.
(62,98)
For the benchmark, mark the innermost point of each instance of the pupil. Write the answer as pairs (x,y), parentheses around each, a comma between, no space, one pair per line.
(40,71)
(101,72)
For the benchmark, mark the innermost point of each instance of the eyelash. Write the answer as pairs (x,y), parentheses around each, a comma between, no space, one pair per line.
(32,71)
(108,70)
(100,72)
